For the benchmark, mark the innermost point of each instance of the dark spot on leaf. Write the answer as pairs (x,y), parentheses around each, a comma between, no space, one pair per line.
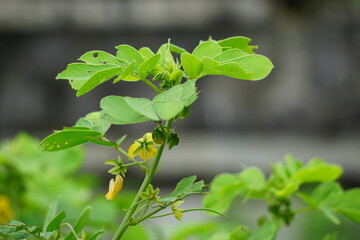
(96,55)
(104,62)
(89,71)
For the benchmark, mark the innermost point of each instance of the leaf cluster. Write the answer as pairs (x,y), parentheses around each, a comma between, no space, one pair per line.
(53,227)
(281,187)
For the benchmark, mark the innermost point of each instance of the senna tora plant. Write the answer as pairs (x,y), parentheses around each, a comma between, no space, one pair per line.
(171,73)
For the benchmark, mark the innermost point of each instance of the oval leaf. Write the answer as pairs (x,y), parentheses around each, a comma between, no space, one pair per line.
(241,43)
(119,112)
(97,79)
(128,54)
(207,49)
(99,57)
(191,64)
(56,222)
(68,138)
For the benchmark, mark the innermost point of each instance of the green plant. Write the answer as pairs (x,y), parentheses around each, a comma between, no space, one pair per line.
(174,84)
(278,192)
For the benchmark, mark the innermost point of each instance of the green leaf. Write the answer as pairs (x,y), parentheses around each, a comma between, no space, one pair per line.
(6,229)
(171,102)
(146,52)
(257,65)
(197,187)
(111,162)
(191,64)
(267,231)
(176,49)
(21,235)
(143,106)
(229,55)
(68,138)
(98,124)
(128,54)
(325,190)
(120,140)
(253,177)
(314,171)
(99,57)
(240,233)
(96,235)
(207,49)
(292,164)
(166,58)
(307,199)
(241,43)
(209,64)
(118,111)
(346,203)
(84,123)
(126,72)
(50,214)
(329,213)
(56,222)
(279,171)
(80,223)
(184,187)
(147,67)
(79,73)
(230,69)
(223,190)
(97,79)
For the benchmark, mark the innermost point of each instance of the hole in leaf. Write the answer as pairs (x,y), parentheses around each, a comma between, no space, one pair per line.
(96,55)
(104,62)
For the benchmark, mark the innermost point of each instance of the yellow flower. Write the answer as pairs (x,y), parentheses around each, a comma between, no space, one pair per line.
(144,147)
(114,187)
(6,212)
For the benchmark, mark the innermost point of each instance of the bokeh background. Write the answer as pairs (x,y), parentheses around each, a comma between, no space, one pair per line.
(308,106)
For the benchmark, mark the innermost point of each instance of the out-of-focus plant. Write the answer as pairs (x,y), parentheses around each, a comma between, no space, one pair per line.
(174,84)
(279,192)
(31,179)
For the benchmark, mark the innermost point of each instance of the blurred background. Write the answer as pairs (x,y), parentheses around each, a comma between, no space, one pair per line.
(308,106)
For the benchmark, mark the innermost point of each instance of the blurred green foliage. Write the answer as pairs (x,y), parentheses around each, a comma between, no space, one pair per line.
(32,180)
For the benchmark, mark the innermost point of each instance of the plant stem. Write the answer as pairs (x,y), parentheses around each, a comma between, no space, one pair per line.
(151,85)
(147,180)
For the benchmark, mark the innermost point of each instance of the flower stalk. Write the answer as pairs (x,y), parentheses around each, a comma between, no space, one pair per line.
(147,180)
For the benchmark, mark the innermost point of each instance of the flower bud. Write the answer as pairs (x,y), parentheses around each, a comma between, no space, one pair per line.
(172,140)
(158,136)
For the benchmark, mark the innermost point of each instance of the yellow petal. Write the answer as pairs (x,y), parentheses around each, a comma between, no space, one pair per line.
(114,187)
(133,148)
(149,136)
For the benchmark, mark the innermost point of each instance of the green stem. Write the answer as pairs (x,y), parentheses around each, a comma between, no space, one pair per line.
(147,180)
(139,164)
(151,85)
